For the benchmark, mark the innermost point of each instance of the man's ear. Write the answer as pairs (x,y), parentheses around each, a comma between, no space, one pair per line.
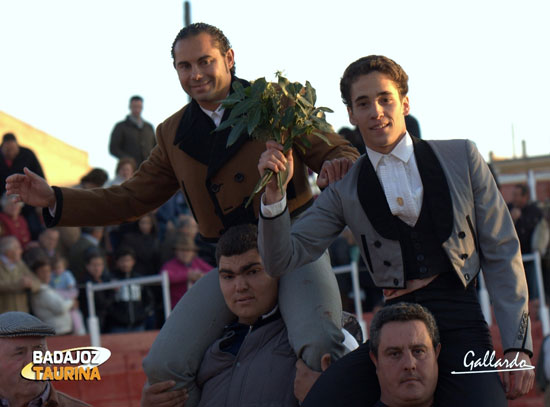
(373,358)
(230,58)
(326,360)
(406,106)
(437,350)
(351,116)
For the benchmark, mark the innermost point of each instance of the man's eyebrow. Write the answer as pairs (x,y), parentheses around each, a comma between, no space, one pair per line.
(392,349)
(250,265)
(365,97)
(242,269)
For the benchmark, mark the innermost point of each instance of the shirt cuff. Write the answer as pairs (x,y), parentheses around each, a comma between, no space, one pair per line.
(52,210)
(272,210)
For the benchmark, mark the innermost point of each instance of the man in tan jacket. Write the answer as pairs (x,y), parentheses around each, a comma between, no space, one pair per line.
(216,182)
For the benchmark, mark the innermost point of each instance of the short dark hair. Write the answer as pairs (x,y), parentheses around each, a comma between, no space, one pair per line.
(92,253)
(366,65)
(40,262)
(96,176)
(523,188)
(125,251)
(136,97)
(401,312)
(9,137)
(237,240)
(218,37)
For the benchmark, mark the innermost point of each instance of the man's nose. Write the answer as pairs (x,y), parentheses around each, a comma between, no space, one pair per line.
(376,110)
(409,361)
(196,73)
(241,284)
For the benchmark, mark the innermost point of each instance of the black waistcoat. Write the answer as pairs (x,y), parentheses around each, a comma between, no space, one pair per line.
(421,245)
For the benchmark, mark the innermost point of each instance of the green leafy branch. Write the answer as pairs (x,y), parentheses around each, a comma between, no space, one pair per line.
(284,112)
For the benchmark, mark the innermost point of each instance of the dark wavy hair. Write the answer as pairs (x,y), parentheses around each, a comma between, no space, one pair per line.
(237,240)
(366,65)
(220,40)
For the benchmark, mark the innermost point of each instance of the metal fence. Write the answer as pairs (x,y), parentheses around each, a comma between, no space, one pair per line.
(93,321)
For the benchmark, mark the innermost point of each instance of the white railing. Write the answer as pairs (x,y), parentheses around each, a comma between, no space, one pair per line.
(353,268)
(544,316)
(93,321)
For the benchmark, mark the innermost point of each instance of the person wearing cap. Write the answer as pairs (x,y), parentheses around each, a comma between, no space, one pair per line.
(20,335)
(185,268)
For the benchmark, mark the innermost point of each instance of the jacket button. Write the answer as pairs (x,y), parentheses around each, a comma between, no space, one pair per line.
(461,234)
(420,257)
(377,244)
(467,277)
(464,256)
(395,282)
(215,188)
(387,263)
(239,177)
(423,269)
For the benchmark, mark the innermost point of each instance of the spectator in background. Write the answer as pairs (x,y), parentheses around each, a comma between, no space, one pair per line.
(168,214)
(526,216)
(412,125)
(185,268)
(16,280)
(96,272)
(125,168)
(12,223)
(64,283)
(48,240)
(47,304)
(132,303)
(90,238)
(13,159)
(143,240)
(354,137)
(96,178)
(133,137)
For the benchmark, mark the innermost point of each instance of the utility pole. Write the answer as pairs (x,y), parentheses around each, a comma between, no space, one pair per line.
(186,13)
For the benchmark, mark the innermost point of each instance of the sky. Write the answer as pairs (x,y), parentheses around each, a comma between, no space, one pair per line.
(478,69)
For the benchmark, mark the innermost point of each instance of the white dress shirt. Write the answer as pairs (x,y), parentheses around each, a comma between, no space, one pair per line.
(215,115)
(400,179)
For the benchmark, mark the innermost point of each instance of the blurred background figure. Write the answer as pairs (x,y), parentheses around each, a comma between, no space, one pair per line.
(133,137)
(47,304)
(13,158)
(96,272)
(125,168)
(185,268)
(532,230)
(132,304)
(16,280)
(12,222)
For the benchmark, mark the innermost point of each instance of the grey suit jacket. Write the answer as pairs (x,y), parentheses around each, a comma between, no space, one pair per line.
(483,237)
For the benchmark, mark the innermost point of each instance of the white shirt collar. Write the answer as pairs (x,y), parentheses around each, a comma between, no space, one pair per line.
(215,115)
(403,151)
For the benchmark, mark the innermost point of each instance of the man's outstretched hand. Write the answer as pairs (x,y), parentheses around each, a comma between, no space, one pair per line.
(31,189)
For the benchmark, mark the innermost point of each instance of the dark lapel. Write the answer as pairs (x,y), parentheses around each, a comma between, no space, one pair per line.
(437,194)
(196,136)
(374,203)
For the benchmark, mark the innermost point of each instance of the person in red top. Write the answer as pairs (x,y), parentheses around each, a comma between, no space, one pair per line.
(185,268)
(12,223)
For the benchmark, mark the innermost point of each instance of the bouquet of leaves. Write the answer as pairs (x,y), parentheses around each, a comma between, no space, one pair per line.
(284,112)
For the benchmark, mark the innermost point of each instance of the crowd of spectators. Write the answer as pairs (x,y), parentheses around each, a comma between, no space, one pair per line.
(45,271)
